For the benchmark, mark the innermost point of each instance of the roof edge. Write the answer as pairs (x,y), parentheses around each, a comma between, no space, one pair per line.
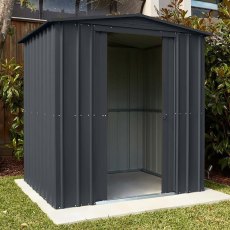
(39,29)
(89,18)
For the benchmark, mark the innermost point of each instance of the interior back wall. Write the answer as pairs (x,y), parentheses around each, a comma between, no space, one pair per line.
(134,104)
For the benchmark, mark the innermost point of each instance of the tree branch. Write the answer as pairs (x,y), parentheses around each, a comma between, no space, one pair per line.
(6,10)
(142,6)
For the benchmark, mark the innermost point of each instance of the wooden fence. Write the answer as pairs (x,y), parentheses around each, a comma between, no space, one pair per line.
(20,28)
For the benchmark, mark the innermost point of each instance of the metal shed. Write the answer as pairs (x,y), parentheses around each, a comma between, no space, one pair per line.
(111,102)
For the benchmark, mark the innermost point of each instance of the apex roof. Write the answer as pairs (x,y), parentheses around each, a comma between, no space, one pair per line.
(129,21)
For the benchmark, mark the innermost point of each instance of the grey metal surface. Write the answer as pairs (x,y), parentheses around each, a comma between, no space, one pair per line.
(99,133)
(66,108)
(197,115)
(69,114)
(183,113)
(135,198)
(128,21)
(40,115)
(58,93)
(169,163)
(133,41)
(85,113)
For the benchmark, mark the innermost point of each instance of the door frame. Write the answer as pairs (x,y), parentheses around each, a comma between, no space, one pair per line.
(100,108)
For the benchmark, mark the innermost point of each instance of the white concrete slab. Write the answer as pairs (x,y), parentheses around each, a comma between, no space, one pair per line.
(73,215)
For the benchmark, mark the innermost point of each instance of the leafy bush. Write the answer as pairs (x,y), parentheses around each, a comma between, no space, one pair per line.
(218,95)
(217,82)
(11,93)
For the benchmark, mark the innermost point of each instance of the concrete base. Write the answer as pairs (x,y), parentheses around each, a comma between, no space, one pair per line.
(73,215)
(132,184)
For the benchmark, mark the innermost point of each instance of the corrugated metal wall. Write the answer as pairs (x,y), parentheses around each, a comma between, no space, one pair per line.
(40,114)
(135,109)
(66,109)
(183,131)
(190,113)
(82,105)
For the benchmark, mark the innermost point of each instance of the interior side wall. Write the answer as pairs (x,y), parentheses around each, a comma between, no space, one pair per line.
(134,108)
(153,114)
(125,92)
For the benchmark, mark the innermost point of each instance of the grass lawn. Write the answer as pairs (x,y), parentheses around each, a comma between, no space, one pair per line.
(17,211)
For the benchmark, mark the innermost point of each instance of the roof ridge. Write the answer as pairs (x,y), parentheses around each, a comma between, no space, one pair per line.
(91,18)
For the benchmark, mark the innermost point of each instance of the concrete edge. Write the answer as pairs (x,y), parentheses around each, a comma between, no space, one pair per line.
(118,209)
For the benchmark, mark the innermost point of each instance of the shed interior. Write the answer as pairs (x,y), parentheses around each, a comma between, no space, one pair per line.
(134,115)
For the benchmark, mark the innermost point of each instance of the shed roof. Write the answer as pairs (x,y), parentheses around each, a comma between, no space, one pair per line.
(113,20)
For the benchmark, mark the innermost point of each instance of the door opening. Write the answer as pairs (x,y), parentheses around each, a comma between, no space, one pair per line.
(134,147)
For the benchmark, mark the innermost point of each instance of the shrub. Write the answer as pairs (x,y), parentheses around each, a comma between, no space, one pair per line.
(218,95)
(11,93)
(217,82)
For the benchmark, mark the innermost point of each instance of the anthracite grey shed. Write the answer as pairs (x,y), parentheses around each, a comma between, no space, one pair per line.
(114,108)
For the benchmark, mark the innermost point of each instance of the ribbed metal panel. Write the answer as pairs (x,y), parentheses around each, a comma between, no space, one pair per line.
(40,115)
(182,112)
(187,114)
(69,114)
(66,129)
(190,113)
(169,152)
(85,106)
(58,94)
(99,134)
(196,102)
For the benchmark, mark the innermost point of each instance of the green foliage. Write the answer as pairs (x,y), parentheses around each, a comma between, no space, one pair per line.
(11,93)
(218,95)
(217,82)
(27,4)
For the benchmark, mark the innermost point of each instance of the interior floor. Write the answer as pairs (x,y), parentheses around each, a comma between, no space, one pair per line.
(132,184)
